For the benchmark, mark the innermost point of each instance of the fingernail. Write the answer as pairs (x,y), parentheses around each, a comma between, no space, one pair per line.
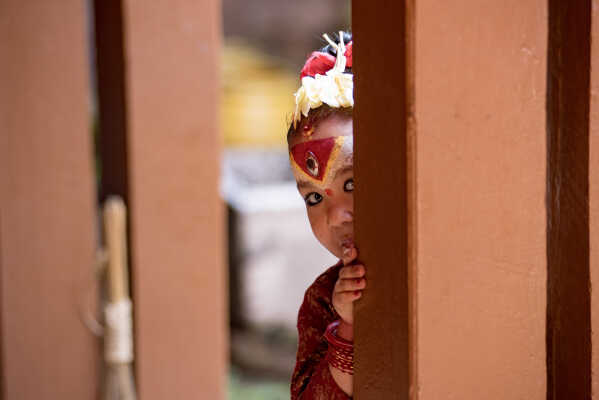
(357,292)
(346,251)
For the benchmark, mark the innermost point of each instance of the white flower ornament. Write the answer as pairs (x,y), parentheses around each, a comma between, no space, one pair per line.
(335,88)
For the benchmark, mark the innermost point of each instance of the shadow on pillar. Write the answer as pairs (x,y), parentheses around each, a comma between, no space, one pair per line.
(568,285)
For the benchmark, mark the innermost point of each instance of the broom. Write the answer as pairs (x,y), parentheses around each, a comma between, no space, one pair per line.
(118,334)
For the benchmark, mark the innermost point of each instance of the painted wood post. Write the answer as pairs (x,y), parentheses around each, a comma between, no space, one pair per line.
(382,142)
(594,195)
(568,280)
(47,203)
(168,86)
(451,221)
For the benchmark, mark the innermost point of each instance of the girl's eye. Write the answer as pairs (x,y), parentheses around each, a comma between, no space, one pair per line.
(348,186)
(312,199)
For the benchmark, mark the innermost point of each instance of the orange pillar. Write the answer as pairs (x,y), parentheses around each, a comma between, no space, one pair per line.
(450,206)
(594,195)
(569,298)
(47,204)
(383,98)
(177,220)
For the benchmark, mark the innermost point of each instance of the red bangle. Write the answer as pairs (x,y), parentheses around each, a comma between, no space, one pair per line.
(340,353)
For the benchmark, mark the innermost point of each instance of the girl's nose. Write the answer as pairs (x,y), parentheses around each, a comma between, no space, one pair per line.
(339,213)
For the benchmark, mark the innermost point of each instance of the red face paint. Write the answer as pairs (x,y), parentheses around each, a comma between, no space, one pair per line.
(313,156)
(317,161)
(329,192)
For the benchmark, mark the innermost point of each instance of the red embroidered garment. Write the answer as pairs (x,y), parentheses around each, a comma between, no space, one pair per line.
(311,378)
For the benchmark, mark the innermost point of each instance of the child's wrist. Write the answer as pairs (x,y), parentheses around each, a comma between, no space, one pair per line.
(340,351)
(345,330)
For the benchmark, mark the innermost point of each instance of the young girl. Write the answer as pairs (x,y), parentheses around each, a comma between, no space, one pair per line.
(321,155)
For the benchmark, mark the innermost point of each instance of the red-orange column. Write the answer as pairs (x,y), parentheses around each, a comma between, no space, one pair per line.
(450,203)
(568,246)
(47,205)
(481,266)
(383,90)
(177,220)
(594,197)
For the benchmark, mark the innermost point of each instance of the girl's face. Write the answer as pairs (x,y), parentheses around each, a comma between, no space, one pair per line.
(322,164)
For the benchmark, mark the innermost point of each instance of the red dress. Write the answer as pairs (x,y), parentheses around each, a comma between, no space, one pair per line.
(311,378)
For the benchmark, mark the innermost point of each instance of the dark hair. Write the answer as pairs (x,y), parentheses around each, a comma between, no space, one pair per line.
(347,37)
(324,111)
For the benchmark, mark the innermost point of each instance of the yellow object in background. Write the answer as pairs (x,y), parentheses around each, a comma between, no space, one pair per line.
(257,98)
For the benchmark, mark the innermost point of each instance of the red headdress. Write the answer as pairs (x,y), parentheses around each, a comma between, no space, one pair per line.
(324,80)
(320,63)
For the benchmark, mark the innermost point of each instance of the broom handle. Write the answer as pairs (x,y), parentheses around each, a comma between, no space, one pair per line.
(115,226)
(115,232)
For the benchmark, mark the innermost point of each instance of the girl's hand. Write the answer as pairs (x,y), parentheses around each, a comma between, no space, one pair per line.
(348,289)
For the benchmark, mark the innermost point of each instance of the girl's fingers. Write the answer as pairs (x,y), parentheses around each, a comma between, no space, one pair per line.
(348,297)
(349,255)
(352,271)
(351,281)
(346,285)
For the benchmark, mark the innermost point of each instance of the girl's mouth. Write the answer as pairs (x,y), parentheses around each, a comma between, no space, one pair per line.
(347,243)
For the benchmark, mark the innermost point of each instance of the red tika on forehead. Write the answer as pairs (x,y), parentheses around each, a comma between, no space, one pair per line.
(314,151)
